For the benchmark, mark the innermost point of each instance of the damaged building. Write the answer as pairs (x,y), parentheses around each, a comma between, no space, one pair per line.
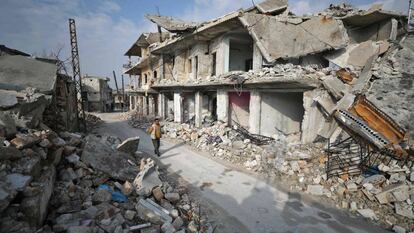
(269,90)
(231,69)
(32,91)
(98,94)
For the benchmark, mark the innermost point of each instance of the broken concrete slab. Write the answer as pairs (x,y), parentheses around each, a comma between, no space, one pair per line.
(272,6)
(171,24)
(147,179)
(404,209)
(18,181)
(102,157)
(365,75)
(8,99)
(323,33)
(18,72)
(368,213)
(315,190)
(387,195)
(152,212)
(35,207)
(335,86)
(129,145)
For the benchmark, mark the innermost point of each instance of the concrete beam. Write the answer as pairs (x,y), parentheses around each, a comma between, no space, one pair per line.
(223,106)
(198,109)
(255,111)
(178,107)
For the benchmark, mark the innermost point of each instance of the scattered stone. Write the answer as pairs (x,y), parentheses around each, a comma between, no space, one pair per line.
(158,194)
(178,223)
(172,197)
(130,214)
(18,181)
(368,213)
(101,195)
(398,229)
(404,209)
(315,190)
(167,228)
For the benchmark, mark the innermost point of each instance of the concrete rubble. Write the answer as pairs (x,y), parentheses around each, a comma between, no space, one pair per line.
(368,68)
(65,186)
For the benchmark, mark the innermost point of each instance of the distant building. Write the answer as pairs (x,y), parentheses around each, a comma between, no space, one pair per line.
(97,93)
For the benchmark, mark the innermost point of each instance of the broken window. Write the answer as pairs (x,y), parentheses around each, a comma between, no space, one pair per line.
(145,79)
(155,74)
(214,63)
(248,65)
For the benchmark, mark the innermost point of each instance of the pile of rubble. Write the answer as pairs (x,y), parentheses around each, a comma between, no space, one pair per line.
(92,121)
(69,183)
(386,197)
(280,71)
(137,120)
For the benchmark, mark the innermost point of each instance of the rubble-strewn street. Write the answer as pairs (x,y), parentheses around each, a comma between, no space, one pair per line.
(243,196)
(268,116)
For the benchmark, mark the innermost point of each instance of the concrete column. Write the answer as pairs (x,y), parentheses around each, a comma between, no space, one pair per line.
(145,108)
(131,107)
(223,106)
(178,108)
(161,105)
(255,111)
(151,105)
(226,54)
(136,103)
(257,58)
(198,109)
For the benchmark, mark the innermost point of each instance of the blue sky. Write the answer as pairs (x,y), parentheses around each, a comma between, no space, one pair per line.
(107,28)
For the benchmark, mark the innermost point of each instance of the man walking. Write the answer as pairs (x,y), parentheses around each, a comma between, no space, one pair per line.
(155,132)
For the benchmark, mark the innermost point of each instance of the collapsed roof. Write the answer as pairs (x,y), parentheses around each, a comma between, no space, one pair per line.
(145,40)
(272,6)
(18,73)
(171,24)
(294,40)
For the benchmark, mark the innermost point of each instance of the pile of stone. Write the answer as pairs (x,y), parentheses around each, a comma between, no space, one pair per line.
(110,189)
(65,182)
(386,198)
(137,120)
(28,161)
(92,121)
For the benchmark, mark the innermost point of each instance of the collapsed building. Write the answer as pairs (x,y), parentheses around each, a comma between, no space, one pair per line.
(266,69)
(97,93)
(33,90)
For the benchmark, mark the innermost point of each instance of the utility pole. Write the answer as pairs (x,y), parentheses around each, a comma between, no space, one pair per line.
(410,12)
(80,112)
(116,82)
(123,92)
